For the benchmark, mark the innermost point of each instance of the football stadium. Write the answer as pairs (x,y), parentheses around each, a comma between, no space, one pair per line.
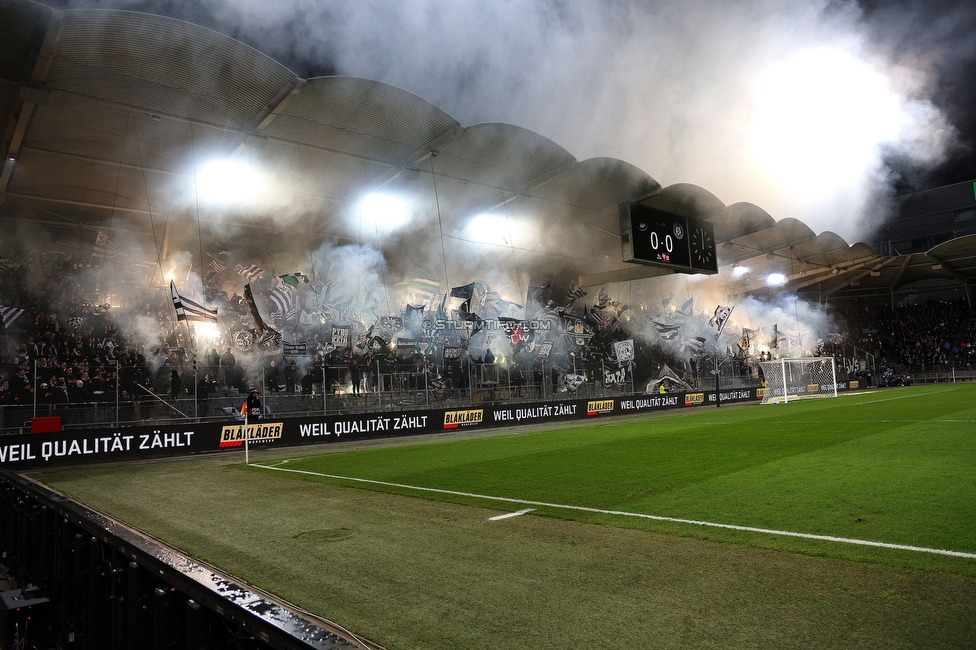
(305,362)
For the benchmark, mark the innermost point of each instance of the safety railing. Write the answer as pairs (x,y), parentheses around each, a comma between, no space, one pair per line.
(126,396)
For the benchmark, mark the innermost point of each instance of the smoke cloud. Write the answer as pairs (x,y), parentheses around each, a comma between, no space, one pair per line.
(794,106)
(798,107)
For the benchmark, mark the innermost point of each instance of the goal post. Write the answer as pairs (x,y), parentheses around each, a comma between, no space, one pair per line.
(800,377)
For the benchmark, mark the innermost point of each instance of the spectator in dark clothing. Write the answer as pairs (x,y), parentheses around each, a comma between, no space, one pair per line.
(254,405)
(175,385)
(290,371)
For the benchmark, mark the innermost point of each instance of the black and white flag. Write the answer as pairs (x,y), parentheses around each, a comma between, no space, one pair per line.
(9,315)
(624,350)
(251,272)
(98,253)
(295,349)
(188,310)
(544,349)
(574,381)
(340,336)
(667,332)
(283,297)
(696,345)
(795,338)
(720,318)
(75,322)
(614,377)
(575,291)
(452,352)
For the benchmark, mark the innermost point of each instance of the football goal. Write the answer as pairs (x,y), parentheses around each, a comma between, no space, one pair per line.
(788,379)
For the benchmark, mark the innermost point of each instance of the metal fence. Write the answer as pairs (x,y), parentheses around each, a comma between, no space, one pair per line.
(118,396)
(207,393)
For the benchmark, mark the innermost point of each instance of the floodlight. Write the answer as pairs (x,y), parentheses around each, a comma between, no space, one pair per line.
(739,271)
(384,211)
(231,182)
(774,279)
(489,229)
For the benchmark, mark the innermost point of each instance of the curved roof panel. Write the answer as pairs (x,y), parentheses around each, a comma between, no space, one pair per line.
(501,155)
(596,183)
(769,241)
(738,220)
(164,65)
(686,199)
(136,99)
(959,255)
(360,116)
(819,250)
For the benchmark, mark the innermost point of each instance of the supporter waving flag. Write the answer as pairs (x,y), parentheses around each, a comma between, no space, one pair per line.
(188,310)
(720,318)
(667,331)
(75,322)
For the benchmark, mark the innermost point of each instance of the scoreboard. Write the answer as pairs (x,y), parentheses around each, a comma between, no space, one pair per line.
(659,238)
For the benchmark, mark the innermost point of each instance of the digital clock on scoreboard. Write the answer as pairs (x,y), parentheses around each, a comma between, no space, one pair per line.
(660,238)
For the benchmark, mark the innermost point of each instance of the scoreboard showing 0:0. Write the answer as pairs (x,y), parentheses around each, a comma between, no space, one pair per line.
(662,239)
(658,238)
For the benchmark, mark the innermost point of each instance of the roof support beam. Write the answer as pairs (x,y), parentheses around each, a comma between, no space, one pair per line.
(901,271)
(103,161)
(267,115)
(414,158)
(277,104)
(23,119)
(30,96)
(830,271)
(847,282)
(80,204)
(514,193)
(104,206)
(948,267)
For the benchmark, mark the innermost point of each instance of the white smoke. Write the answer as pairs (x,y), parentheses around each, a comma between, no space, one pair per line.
(786,104)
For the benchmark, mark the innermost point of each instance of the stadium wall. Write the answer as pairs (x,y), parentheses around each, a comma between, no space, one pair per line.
(89,581)
(89,446)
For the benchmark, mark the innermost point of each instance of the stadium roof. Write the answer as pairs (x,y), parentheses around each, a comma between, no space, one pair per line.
(110,114)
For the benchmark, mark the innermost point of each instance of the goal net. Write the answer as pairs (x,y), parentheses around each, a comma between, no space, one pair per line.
(790,379)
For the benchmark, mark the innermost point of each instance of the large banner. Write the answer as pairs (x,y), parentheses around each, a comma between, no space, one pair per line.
(31,451)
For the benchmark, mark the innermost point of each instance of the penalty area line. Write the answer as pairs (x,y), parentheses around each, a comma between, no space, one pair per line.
(639,515)
(509,515)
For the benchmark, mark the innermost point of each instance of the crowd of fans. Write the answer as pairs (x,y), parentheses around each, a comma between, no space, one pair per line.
(925,337)
(137,353)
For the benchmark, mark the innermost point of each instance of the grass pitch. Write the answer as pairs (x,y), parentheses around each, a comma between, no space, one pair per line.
(893,466)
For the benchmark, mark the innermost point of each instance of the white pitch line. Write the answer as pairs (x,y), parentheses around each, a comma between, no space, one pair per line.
(623,513)
(517,513)
(934,392)
(871,421)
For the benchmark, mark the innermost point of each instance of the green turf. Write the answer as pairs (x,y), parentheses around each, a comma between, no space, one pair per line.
(414,573)
(894,467)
